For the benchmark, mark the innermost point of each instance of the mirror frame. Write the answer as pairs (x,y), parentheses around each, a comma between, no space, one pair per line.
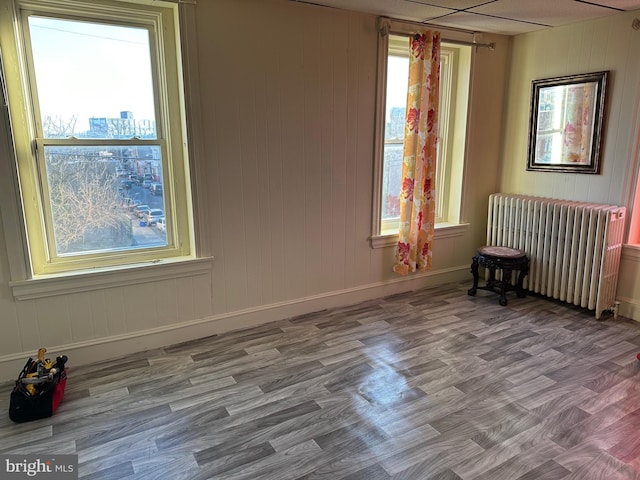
(589,160)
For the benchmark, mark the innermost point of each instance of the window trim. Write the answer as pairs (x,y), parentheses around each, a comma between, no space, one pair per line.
(442,230)
(131,274)
(162,17)
(451,211)
(26,284)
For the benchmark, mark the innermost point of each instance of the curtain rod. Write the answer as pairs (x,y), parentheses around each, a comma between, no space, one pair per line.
(490,46)
(384,28)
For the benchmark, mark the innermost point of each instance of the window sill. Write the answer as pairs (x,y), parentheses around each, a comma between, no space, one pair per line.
(442,230)
(86,280)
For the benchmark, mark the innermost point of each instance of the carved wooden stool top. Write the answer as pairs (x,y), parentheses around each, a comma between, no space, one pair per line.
(503,252)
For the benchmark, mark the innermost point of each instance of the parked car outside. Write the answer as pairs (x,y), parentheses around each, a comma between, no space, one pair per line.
(127,203)
(152,216)
(143,214)
(161,224)
(156,189)
(137,211)
(132,206)
(146,183)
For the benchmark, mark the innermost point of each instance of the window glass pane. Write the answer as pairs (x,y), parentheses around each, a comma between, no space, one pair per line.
(105,198)
(93,80)
(397,80)
(391,179)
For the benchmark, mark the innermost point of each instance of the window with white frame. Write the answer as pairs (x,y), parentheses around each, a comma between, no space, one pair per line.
(393,75)
(96,106)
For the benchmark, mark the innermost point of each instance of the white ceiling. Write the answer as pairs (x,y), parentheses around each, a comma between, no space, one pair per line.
(508,17)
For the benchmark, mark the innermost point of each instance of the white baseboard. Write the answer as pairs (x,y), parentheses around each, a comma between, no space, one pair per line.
(97,350)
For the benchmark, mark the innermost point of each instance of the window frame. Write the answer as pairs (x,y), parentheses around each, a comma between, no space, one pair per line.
(459,55)
(194,259)
(163,20)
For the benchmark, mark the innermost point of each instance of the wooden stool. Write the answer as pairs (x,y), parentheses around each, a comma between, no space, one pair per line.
(503,258)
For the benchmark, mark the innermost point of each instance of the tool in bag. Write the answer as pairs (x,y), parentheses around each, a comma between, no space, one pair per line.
(39,388)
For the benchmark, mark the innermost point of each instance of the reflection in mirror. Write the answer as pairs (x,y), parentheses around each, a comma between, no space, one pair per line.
(566,123)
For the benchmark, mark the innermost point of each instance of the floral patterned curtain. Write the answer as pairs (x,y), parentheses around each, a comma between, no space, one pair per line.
(417,197)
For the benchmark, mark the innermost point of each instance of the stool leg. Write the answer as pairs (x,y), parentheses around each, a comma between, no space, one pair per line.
(506,281)
(492,277)
(474,271)
(520,292)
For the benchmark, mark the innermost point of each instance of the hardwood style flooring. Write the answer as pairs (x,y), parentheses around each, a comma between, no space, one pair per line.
(430,384)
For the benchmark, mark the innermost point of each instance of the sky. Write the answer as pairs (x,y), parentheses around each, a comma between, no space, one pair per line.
(397,81)
(91,70)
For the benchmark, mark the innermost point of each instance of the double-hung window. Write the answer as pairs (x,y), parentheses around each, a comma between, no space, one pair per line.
(96,107)
(393,72)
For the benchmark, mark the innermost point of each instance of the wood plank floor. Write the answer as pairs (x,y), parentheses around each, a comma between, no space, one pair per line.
(431,384)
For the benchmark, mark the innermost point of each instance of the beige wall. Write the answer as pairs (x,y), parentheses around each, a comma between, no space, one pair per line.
(287,101)
(605,44)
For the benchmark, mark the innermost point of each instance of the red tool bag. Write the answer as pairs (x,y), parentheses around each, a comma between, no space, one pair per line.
(39,389)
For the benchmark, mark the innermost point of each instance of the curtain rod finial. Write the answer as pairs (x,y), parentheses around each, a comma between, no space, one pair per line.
(384,26)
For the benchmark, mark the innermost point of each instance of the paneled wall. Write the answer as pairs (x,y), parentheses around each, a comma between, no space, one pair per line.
(291,92)
(604,44)
(291,151)
(287,101)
